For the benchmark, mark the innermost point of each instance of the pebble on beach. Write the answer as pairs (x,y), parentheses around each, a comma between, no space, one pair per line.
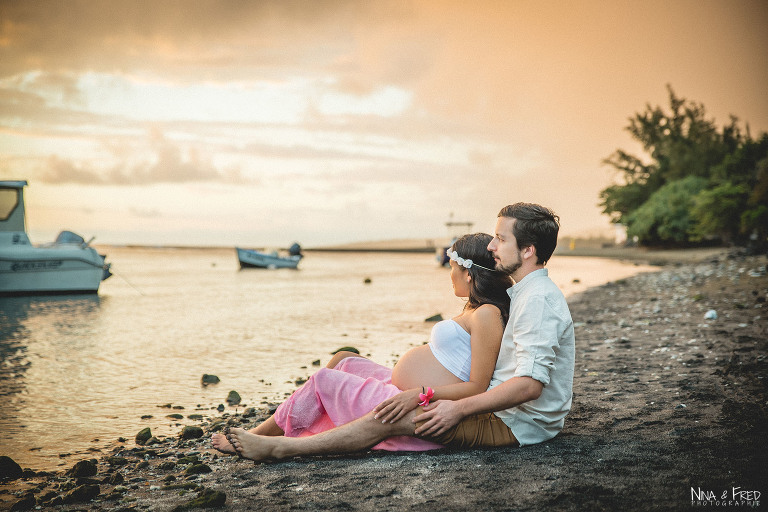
(209,379)
(233,398)
(143,436)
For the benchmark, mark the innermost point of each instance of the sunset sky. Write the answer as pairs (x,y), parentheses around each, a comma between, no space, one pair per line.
(323,122)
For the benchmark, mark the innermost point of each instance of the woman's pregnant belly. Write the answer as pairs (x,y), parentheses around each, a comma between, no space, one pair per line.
(418,367)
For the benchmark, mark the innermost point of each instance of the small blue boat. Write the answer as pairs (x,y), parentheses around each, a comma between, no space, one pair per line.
(250,258)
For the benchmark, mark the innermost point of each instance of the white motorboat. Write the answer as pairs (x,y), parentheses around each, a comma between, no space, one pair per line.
(250,258)
(67,265)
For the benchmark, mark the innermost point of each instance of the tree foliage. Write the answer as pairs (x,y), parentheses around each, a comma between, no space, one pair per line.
(695,183)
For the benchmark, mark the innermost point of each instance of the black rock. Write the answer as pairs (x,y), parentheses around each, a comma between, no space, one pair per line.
(346,349)
(114,479)
(198,469)
(117,461)
(82,493)
(9,470)
(208,498)
(191,432)
(28,502)
(209,379)
(143,436)
(83,468)
(233,398)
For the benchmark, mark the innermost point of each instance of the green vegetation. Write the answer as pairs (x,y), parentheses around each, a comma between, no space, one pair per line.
(696,184)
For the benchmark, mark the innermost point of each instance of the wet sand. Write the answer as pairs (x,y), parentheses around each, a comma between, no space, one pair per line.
(669,414)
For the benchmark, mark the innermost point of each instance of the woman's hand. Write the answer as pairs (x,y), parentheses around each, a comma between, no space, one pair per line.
(392,409)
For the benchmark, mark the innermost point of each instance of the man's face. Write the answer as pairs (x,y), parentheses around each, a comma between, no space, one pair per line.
(507,255)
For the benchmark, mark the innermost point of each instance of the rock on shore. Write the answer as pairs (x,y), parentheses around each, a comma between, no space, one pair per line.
(668,406)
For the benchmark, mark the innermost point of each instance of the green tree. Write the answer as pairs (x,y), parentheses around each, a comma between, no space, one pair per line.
(656,197)
(665,218)
(735,206)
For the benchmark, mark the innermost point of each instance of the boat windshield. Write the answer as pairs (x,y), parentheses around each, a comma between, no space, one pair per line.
(9,199)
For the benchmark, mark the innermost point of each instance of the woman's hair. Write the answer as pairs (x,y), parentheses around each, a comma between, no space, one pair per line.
(486,286)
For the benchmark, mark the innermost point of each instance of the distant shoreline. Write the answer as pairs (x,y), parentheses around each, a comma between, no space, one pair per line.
(581,248)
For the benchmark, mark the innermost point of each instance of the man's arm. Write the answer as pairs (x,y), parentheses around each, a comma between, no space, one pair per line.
(444,414)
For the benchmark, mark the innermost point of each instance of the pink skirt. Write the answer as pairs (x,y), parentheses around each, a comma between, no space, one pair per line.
(333,397)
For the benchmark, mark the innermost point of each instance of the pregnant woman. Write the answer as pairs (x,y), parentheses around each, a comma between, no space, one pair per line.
(458,362)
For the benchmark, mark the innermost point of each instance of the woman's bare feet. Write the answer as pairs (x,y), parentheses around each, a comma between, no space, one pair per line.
(251,446)
(219,441)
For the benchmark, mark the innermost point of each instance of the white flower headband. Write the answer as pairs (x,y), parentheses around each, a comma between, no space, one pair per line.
(466,263)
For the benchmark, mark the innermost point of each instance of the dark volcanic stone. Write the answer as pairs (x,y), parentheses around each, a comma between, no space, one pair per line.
(143,436)
(83,468)
(191,432)
(9,469)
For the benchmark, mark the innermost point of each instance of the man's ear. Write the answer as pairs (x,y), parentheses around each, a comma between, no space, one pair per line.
(529,252)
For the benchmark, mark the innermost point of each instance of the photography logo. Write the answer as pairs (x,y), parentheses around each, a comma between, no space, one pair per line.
(735,497)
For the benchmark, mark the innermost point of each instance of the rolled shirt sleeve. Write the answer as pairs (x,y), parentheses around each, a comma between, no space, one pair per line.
(536,337)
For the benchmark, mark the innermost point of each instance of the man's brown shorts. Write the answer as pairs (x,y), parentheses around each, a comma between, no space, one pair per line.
(481,430)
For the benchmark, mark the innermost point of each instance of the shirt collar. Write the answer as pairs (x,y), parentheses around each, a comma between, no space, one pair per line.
(526,281)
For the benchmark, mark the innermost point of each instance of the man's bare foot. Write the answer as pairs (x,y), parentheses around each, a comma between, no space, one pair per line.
(251,446)
(219,441)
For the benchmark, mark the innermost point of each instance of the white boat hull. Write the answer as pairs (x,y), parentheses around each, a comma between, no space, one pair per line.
(26,269)
(254,259)
(67,265)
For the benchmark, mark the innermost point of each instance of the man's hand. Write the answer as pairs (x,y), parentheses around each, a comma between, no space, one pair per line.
(438,417)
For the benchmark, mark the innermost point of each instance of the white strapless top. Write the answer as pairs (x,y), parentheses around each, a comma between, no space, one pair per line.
(451,346)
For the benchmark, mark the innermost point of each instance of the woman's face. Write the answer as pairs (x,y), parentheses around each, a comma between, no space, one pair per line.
(460,280)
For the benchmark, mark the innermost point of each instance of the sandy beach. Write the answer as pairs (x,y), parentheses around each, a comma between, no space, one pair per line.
(669,413)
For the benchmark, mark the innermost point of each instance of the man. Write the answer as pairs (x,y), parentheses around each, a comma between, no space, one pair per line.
(530,391)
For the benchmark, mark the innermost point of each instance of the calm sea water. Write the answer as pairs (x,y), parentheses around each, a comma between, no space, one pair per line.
(78,372)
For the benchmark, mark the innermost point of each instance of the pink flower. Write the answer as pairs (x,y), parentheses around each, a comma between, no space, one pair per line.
(426,397)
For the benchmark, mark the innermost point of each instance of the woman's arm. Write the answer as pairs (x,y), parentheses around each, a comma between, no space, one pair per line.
(486,329)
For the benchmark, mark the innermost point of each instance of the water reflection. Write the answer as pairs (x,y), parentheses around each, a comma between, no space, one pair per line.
(19,317)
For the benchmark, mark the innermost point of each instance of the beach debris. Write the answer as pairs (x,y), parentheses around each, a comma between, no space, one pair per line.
(208,498)
(710,315)
(220,408)
(143,436)
(345,349)
(434,318)
(9,469)
(209,379)
(316,362)
(367,280)
(576,280)
(83,468)
(191,432)
(233,398)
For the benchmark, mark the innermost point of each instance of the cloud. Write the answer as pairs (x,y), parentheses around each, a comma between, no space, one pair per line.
(169,163)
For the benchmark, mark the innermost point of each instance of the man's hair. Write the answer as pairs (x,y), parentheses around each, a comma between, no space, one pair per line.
(535,226)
